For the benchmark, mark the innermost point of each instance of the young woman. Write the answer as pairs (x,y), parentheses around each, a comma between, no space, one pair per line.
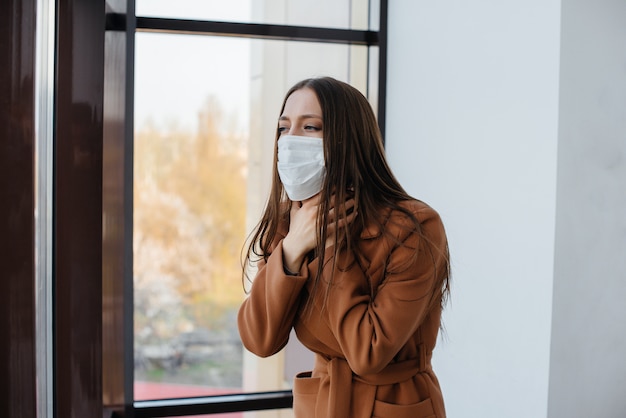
(347,258)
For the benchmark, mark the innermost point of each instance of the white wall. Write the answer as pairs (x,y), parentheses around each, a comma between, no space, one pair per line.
(510,119)
(588,363)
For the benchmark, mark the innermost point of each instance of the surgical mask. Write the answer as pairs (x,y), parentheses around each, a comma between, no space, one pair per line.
(301,166)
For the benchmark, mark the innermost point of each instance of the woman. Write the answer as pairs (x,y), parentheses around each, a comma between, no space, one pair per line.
(349,260)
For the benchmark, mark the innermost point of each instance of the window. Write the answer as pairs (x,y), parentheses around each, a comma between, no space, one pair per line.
(209,78)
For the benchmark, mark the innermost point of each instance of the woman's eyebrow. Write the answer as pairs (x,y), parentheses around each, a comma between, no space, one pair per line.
(310,116)
(306,116)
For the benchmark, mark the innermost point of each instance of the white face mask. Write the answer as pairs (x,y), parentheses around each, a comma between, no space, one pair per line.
(301,165)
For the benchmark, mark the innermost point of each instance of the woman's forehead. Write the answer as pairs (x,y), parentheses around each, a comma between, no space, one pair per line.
(302,102)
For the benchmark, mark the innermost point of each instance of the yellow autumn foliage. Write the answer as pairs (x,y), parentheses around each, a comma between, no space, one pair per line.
(189,224)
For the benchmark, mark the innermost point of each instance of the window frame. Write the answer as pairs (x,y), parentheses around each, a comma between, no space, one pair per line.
(118,345)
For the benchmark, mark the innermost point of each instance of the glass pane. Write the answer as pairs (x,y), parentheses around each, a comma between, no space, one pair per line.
(205,117)
(191,119)
(345,14)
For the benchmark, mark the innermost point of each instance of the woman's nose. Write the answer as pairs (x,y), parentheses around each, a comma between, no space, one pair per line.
(293,131)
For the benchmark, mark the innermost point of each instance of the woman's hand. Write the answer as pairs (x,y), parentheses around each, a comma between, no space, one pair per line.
(302,235)
(341,223)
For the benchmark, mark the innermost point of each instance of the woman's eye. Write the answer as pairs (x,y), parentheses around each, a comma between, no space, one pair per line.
(282,129)
(312,128)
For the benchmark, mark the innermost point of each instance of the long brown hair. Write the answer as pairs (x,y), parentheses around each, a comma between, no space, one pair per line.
(355,167)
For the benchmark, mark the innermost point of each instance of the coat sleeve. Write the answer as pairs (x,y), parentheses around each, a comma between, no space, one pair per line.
(266,316)
(371,331)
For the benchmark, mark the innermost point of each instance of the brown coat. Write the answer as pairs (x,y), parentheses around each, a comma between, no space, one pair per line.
(374,337)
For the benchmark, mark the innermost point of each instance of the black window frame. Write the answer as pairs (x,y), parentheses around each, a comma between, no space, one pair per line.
(130,24)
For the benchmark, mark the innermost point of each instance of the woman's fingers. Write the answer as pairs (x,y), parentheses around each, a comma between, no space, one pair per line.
(302,234)
(349,206)
(301,237)
(342,222)
(334,226)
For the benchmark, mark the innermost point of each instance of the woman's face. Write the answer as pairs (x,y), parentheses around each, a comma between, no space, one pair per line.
(302,115)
